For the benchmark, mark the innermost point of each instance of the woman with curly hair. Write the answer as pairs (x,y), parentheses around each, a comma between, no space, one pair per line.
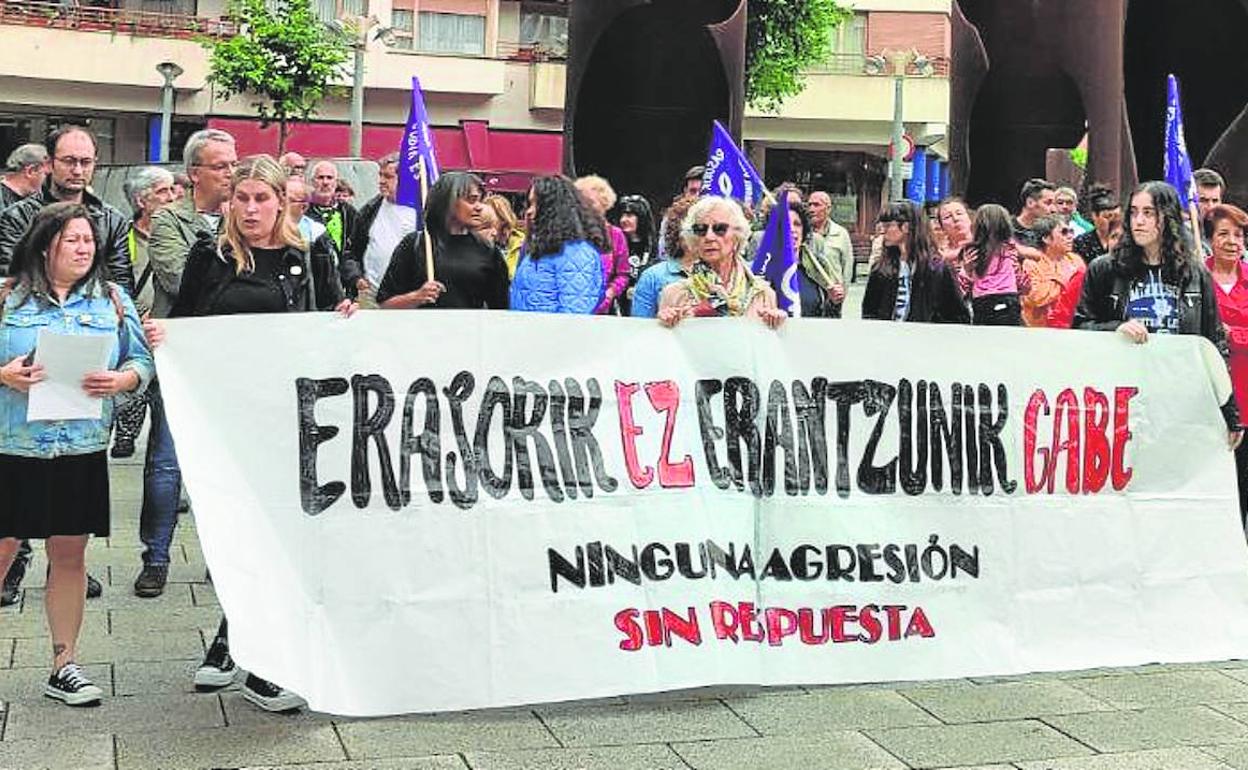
(910,281)
(1151,283)
(601,198)
(561,270)
(468,274)
(720,283)
(672,268)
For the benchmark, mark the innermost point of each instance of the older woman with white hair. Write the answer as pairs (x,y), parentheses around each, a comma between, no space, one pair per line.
(148,190)
(720,282)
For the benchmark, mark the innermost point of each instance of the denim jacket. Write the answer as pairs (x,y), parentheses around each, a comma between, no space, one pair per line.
(88,310)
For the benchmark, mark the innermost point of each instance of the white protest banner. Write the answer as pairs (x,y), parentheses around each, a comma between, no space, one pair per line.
(420,511)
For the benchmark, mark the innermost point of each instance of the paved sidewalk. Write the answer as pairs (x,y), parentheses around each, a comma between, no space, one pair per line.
(142,653)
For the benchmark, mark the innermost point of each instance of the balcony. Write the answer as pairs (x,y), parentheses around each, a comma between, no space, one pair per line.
(856,64)
(141,23)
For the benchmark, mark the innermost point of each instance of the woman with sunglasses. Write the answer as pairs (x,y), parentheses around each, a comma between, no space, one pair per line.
(910,281)
(720,282)
(1055,279)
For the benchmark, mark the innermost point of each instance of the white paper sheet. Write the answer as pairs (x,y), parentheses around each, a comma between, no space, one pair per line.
(66,360)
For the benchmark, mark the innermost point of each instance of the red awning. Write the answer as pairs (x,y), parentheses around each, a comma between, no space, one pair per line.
(506,160)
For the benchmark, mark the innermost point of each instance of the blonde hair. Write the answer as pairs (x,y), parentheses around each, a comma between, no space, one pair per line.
(504,214)
(597,190)
(262,168)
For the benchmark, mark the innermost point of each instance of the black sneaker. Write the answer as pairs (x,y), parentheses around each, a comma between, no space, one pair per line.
(94,589)
(151,581)
(269,696)
(122,447)
(12,588)
(218,669)
(72,687)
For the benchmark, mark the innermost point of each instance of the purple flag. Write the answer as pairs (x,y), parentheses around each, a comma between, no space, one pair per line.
(729,172)
(776,260)
(1178,164)
(417,148)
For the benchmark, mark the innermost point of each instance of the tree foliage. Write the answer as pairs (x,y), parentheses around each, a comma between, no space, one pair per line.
(783,39)
(283,55)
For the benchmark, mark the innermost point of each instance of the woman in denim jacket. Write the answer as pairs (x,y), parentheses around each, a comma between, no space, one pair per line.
(55,473)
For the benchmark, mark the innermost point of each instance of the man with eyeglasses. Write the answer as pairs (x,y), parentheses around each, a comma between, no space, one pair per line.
(210,159)
(25,170)
(71,164)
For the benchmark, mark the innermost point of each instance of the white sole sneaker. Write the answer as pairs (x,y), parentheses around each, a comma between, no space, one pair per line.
(214,678)
(84,697)
(283,701)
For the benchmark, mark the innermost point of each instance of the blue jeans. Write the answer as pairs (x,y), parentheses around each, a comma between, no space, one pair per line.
(162,483)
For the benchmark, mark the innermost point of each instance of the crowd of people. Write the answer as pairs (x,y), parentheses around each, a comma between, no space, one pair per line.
(265,235)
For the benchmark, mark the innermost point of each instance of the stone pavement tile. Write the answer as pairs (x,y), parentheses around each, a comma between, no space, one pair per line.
(27,683)
(712,692)
(176,595)
(1234,710)
(158,645)
(204,595)
(75,750)
(418,763)
(174,749)
(6,652)
(423,735)
(829,710)
(140,619)
(643,723)
(1234,755)
(47,718)
(1158,759)
(155,677)
(977,743)
(1151,728)
(818,751)
(32,622)
(1170,688)
(124,573)
(1003,701)
(647,757)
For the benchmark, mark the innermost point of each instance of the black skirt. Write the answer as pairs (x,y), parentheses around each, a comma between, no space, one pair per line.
(63,496)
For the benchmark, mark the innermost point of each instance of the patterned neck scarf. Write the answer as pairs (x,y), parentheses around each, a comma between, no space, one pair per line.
(714,297)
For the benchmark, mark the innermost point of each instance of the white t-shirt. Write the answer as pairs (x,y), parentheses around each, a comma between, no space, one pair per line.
(392,223)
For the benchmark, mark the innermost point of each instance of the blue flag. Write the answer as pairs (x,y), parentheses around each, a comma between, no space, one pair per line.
(417,149)
(728,171)
(1178,164)
(776,260)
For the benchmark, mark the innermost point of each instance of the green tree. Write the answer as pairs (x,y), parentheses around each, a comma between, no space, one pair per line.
(783,39)
(283,55)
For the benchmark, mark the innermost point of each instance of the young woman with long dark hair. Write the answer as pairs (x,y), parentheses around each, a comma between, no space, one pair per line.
(1152,283)
(636,221)
(910,281)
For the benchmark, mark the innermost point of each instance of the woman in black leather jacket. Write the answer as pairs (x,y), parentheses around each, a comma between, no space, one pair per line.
(1152,283)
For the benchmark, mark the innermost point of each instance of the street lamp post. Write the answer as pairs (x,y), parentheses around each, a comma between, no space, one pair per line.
(170,72)
(900,62)
(357,96)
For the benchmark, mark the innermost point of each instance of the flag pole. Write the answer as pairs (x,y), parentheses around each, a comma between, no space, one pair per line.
(424,198)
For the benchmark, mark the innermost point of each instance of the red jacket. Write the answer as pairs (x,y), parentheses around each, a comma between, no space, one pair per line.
(1233,310)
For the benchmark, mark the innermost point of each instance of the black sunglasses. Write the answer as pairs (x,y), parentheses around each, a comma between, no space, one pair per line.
(719,228)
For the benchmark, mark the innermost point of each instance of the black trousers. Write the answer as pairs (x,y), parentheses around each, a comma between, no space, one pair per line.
(997,310)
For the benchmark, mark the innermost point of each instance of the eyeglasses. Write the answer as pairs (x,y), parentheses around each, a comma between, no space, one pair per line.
(719,228)
(72,162)
(228,165)
(1067,230)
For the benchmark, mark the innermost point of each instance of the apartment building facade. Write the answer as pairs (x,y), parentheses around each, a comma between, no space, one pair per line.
(494,79)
